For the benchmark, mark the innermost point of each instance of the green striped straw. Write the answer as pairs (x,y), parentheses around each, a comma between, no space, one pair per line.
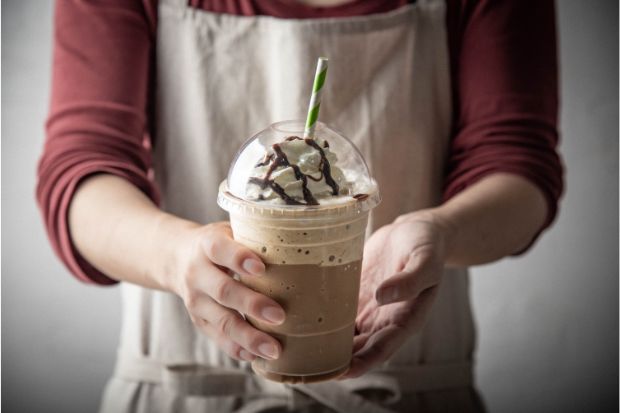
(315,99)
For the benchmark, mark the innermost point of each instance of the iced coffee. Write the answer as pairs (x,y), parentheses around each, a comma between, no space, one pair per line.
(302,205)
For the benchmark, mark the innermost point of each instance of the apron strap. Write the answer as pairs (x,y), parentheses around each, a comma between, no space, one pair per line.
(195,379)
(374,383)
(189,379)
(342,396)
(336,396)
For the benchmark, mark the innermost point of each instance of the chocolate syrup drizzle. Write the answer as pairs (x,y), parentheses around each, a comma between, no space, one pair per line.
(276,188)
(265,161)
(278,158)
(324,166)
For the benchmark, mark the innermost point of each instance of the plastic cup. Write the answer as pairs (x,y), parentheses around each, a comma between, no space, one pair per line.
(313,258)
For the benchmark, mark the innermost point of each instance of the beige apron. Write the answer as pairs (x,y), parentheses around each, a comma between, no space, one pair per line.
(220,79)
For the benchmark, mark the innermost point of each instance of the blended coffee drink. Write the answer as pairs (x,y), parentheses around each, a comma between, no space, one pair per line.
(302,205)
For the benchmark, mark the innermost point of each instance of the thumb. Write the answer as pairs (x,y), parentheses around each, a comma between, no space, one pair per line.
(417,275)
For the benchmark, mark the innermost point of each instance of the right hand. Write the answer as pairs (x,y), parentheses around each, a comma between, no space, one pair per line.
(214,300)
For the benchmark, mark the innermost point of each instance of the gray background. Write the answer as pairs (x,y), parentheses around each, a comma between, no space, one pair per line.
(548,322)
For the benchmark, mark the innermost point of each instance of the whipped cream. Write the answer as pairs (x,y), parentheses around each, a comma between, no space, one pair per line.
(297,171)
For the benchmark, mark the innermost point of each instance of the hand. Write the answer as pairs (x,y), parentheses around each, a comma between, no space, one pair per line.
(206,259)
(401,271)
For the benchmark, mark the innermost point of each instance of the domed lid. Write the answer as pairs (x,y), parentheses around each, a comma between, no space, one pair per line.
(277,167)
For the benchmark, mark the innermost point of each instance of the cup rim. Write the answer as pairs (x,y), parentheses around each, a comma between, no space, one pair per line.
(233,204)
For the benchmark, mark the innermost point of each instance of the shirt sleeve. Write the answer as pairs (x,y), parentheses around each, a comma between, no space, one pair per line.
(504,64)
(97,121)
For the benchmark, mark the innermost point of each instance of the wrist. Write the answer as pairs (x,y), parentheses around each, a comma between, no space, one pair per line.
(444,228)
(170,244)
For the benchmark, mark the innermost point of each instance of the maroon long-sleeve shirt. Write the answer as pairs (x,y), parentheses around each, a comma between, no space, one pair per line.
(503,72)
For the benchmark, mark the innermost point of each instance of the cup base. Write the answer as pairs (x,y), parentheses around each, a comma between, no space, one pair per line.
(291,379)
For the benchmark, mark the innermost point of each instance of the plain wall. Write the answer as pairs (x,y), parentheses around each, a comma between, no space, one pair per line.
(548,321)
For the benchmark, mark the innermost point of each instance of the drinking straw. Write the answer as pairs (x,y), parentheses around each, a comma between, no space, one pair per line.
(315,99)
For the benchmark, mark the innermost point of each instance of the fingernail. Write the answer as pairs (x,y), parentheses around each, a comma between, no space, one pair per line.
(273,315)
(388,295)
(253,266)
(268,350)
(246,355)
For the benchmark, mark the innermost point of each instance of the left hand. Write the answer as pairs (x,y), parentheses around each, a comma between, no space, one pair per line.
(401,271)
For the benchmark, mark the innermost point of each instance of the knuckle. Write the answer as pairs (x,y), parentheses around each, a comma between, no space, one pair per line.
(209,246)
(226,324)
(223,289)
(237,256)
(204,327)
(233,349)
(253,340)
(252,305)
(191,300)
(424,254)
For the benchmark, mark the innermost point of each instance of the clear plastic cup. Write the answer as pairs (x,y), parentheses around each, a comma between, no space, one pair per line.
(313,257)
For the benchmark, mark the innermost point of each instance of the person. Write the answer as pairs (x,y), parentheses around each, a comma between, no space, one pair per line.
(452,102)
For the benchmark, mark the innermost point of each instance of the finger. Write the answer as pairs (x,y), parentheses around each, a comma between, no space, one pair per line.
(419,273)
(379,347)
(231,348)
(231,325)
(233,294)
(221,249)
(359,341)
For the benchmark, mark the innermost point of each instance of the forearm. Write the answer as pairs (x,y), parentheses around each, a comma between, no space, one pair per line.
(496,217)
(122,233)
